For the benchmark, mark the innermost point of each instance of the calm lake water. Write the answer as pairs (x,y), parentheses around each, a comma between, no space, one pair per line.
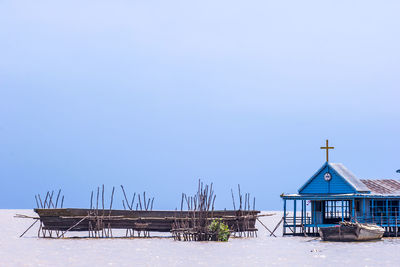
(261,251)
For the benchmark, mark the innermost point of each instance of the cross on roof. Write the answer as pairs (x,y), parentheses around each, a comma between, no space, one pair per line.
(327,147)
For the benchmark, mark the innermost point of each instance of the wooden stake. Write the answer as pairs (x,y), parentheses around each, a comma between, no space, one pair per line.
(112,197)
(45,200)
(50,199)
(72,227)
(140,202)
(272,233)
(233,200)
(41,203)
(126,199)
(58,195)
(102,197)
(91,200)
(133,200)
(97,202)
(29,227)
(37,203)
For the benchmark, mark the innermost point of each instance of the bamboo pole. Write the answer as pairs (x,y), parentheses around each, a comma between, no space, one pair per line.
(97,201)
(102,197)
(58,195)
(29,227)
(72,227)
(133,200)
(51,198)
(37,203)
(45,200)
(126,199)
(40,199)
(111,201)
(233,200)
(91,200)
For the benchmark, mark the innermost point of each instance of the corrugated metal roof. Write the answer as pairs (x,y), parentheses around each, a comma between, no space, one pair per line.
(349,177)
(383,186)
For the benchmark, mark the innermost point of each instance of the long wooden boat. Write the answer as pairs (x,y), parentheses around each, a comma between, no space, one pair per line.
(158,221)
(349,231)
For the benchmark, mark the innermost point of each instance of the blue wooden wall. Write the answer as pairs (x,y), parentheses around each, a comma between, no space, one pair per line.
(318,185)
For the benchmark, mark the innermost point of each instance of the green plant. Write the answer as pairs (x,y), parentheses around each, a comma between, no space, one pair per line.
(220,229)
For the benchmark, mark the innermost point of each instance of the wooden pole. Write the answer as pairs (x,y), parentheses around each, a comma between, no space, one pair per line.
(133,200)
(265,227)
(279,223)
(102,197)
(58,196)
(91,200)
(45,200)
(112,197)
(37,202)
(97,201)
(233,200)
(240,198)
(144,200)
(40,199)
(29,227)
(140,202)
(51,198)
(72,227)
(126,199)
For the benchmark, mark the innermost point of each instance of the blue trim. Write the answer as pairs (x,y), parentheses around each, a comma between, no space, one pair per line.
(335,196)
(364,211)
(284,216)
(342,211)
(312,177)
(294,215)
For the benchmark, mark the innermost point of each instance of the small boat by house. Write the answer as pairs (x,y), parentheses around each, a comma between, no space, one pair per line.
(349,231)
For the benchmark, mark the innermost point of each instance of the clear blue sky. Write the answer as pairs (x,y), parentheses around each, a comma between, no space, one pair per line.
(156,94)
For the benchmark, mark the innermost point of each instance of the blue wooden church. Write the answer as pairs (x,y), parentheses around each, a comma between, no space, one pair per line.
(335,194)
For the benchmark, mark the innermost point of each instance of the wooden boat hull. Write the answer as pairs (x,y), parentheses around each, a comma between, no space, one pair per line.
(351,232)
(157,221)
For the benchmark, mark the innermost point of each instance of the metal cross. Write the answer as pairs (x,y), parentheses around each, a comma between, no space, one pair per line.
(327,147)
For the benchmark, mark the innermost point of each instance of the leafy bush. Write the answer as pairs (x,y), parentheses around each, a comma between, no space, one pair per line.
(220,229)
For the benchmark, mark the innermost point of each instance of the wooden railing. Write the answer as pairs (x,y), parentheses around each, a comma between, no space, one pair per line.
(299,221)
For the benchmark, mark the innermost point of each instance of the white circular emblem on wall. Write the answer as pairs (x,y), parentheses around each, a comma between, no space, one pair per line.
(327,176)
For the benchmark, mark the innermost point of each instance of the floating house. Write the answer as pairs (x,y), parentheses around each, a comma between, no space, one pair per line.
(335,194)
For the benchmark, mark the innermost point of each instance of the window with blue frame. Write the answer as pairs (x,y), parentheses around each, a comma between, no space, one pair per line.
(333,209)
(378,208)
(393,207)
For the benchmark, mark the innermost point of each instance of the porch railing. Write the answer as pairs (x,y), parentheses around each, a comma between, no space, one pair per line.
(379,220)
(299,221)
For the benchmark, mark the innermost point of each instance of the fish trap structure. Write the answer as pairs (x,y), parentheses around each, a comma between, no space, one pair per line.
(193,224)
(138,219)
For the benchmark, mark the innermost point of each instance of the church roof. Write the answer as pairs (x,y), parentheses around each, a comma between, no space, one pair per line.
(346,174)
(343,181)
(383,186)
